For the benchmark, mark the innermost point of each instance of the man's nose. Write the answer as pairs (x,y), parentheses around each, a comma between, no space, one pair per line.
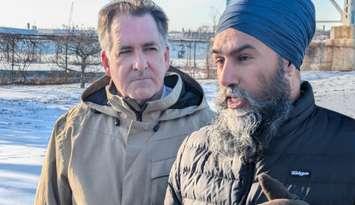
(228,75)
(140,61)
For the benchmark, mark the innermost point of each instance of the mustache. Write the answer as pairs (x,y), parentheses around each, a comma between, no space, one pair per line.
(234,91)
(141,76)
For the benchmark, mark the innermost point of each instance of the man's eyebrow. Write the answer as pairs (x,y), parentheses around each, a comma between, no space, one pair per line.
(125,47)
(151,43)
(147,44)
(236,50)
(215,51)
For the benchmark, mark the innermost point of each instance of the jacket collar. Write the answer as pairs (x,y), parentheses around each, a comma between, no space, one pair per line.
(150,110)
(302,108)
(95,98)
(185,98)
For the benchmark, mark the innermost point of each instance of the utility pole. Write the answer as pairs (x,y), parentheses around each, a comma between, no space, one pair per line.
(67,36)
(70,14)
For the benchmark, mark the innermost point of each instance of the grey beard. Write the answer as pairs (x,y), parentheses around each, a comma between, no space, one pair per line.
(231,135)
(247,133)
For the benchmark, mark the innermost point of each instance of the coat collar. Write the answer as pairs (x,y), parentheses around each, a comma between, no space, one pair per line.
(302,108)
(185,98)
(150,110)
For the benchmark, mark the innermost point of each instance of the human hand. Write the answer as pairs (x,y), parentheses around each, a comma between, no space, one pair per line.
(276,193)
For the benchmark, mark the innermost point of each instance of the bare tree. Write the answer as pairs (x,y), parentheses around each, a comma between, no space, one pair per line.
(79,48)
(18,52)
(8,49)
(27,49)
(2,49)
(63,54)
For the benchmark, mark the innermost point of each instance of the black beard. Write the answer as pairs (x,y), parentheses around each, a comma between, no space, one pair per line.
(249,135)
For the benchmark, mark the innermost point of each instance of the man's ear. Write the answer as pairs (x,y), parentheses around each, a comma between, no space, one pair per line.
(167,57)
(293,76)
(289,69)
(105,62)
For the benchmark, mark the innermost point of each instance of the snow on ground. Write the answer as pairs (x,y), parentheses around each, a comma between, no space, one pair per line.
(27,114)
(334,90)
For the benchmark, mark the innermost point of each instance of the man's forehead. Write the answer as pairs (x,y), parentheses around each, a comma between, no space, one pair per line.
(124,22)
(231,39)
(134,29)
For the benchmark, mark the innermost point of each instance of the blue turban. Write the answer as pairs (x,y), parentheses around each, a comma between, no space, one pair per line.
(286,26)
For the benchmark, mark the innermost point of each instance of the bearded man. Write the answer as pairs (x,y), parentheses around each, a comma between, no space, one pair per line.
(267,122)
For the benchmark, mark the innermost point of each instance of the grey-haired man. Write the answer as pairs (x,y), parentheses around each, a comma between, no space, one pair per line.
(117,146)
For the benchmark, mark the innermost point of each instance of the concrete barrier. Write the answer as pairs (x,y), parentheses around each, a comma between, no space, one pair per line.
(334,54)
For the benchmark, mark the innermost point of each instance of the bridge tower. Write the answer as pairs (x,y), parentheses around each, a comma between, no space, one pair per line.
(349,13)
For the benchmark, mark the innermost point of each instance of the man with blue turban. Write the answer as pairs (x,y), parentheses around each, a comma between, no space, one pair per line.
(269,143)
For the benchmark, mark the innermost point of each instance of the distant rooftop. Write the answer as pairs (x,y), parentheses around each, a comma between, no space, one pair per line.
(10,30)
(33,31)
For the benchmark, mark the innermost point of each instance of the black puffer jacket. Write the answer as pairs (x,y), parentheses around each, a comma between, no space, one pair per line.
(313,154)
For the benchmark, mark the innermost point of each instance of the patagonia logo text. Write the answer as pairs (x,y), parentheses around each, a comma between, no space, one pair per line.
(299,173)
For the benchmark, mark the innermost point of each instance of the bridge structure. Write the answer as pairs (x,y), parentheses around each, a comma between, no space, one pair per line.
(347,13)
(337,52)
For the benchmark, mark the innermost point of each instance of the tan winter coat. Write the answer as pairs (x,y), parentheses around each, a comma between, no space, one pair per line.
(103,152)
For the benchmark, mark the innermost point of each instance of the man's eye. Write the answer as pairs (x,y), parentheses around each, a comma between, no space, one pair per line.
(219,61)
(124,52)
(151,49)
(243,58)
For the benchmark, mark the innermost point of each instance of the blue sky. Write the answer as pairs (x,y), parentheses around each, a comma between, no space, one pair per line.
(182,13)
